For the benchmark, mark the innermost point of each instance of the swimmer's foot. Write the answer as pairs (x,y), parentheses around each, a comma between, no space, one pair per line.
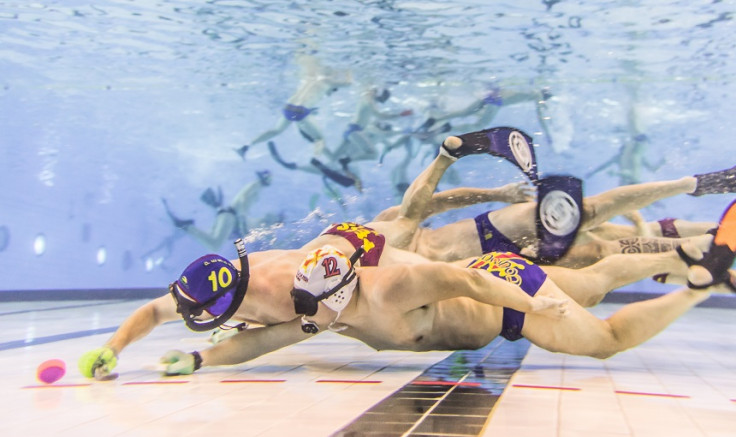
(718,182)
(241,151)
(338,177)
(179,223)
(713,267)
(277,157)
(264,177)
(450,146)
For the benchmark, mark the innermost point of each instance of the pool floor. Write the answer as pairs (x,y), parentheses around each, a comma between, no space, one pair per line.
(681,383)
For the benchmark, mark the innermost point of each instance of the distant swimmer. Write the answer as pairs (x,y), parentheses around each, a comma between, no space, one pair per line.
(231,219)
(316,83)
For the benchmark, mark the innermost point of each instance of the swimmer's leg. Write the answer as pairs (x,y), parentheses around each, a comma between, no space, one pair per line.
(600,208)
(418,196)
(225,223)
(179,223)
(265,136)
(313,134)
(589,285)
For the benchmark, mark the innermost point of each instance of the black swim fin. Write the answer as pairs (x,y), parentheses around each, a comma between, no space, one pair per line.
(341,179)
(179,223)
(721,255)
(241,151)
(277,157)
(718,182)
(211,198)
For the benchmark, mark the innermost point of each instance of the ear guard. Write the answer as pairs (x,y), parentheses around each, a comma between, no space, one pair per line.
(305,303)
(190,310)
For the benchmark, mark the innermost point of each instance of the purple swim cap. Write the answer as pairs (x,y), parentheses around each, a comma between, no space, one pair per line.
(206,278)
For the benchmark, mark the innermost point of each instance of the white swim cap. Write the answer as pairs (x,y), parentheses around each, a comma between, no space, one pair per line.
(328,275)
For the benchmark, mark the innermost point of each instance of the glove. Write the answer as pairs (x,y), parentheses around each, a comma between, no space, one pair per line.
(98,361)
(181,363)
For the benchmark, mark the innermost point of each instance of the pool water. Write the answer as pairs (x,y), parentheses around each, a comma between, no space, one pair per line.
(107,108)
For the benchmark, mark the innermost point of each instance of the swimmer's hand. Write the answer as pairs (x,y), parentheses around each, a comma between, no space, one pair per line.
(517,192)
(97,362)
(178,363)
(550,306)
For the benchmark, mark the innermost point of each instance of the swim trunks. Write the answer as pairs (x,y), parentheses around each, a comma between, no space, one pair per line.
(493,98)
(491,239)
(352,127)
(296,112)
(518,271)
(667,225)
(359,235)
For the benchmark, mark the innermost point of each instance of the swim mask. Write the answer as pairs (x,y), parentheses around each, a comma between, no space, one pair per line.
(213,285)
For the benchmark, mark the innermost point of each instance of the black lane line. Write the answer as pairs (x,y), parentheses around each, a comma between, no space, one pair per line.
(15,344)
(85,305)
(453,397)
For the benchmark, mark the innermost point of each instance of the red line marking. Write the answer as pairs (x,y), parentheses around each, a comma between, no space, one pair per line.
(462,384)
(154,382)
(663,395)
(57,386)
(546,387)
(348,381)
(227,381)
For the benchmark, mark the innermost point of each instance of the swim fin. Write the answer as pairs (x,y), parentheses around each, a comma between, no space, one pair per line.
(241,151)
(211,198)
(505,142)
(277,157)
(341,179)
(722,253)
(718,182)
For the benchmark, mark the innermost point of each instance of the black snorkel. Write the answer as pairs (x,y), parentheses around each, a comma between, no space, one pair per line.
(191,310)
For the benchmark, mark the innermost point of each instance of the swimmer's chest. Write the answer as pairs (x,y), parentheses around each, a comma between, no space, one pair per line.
(391,329)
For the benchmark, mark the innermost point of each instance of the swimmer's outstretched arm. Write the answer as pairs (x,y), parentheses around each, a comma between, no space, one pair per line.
(136,326)
(426,283)
(252,343)
(142,321)
(456,198)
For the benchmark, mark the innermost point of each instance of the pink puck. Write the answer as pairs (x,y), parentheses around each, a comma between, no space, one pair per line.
(51,371)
